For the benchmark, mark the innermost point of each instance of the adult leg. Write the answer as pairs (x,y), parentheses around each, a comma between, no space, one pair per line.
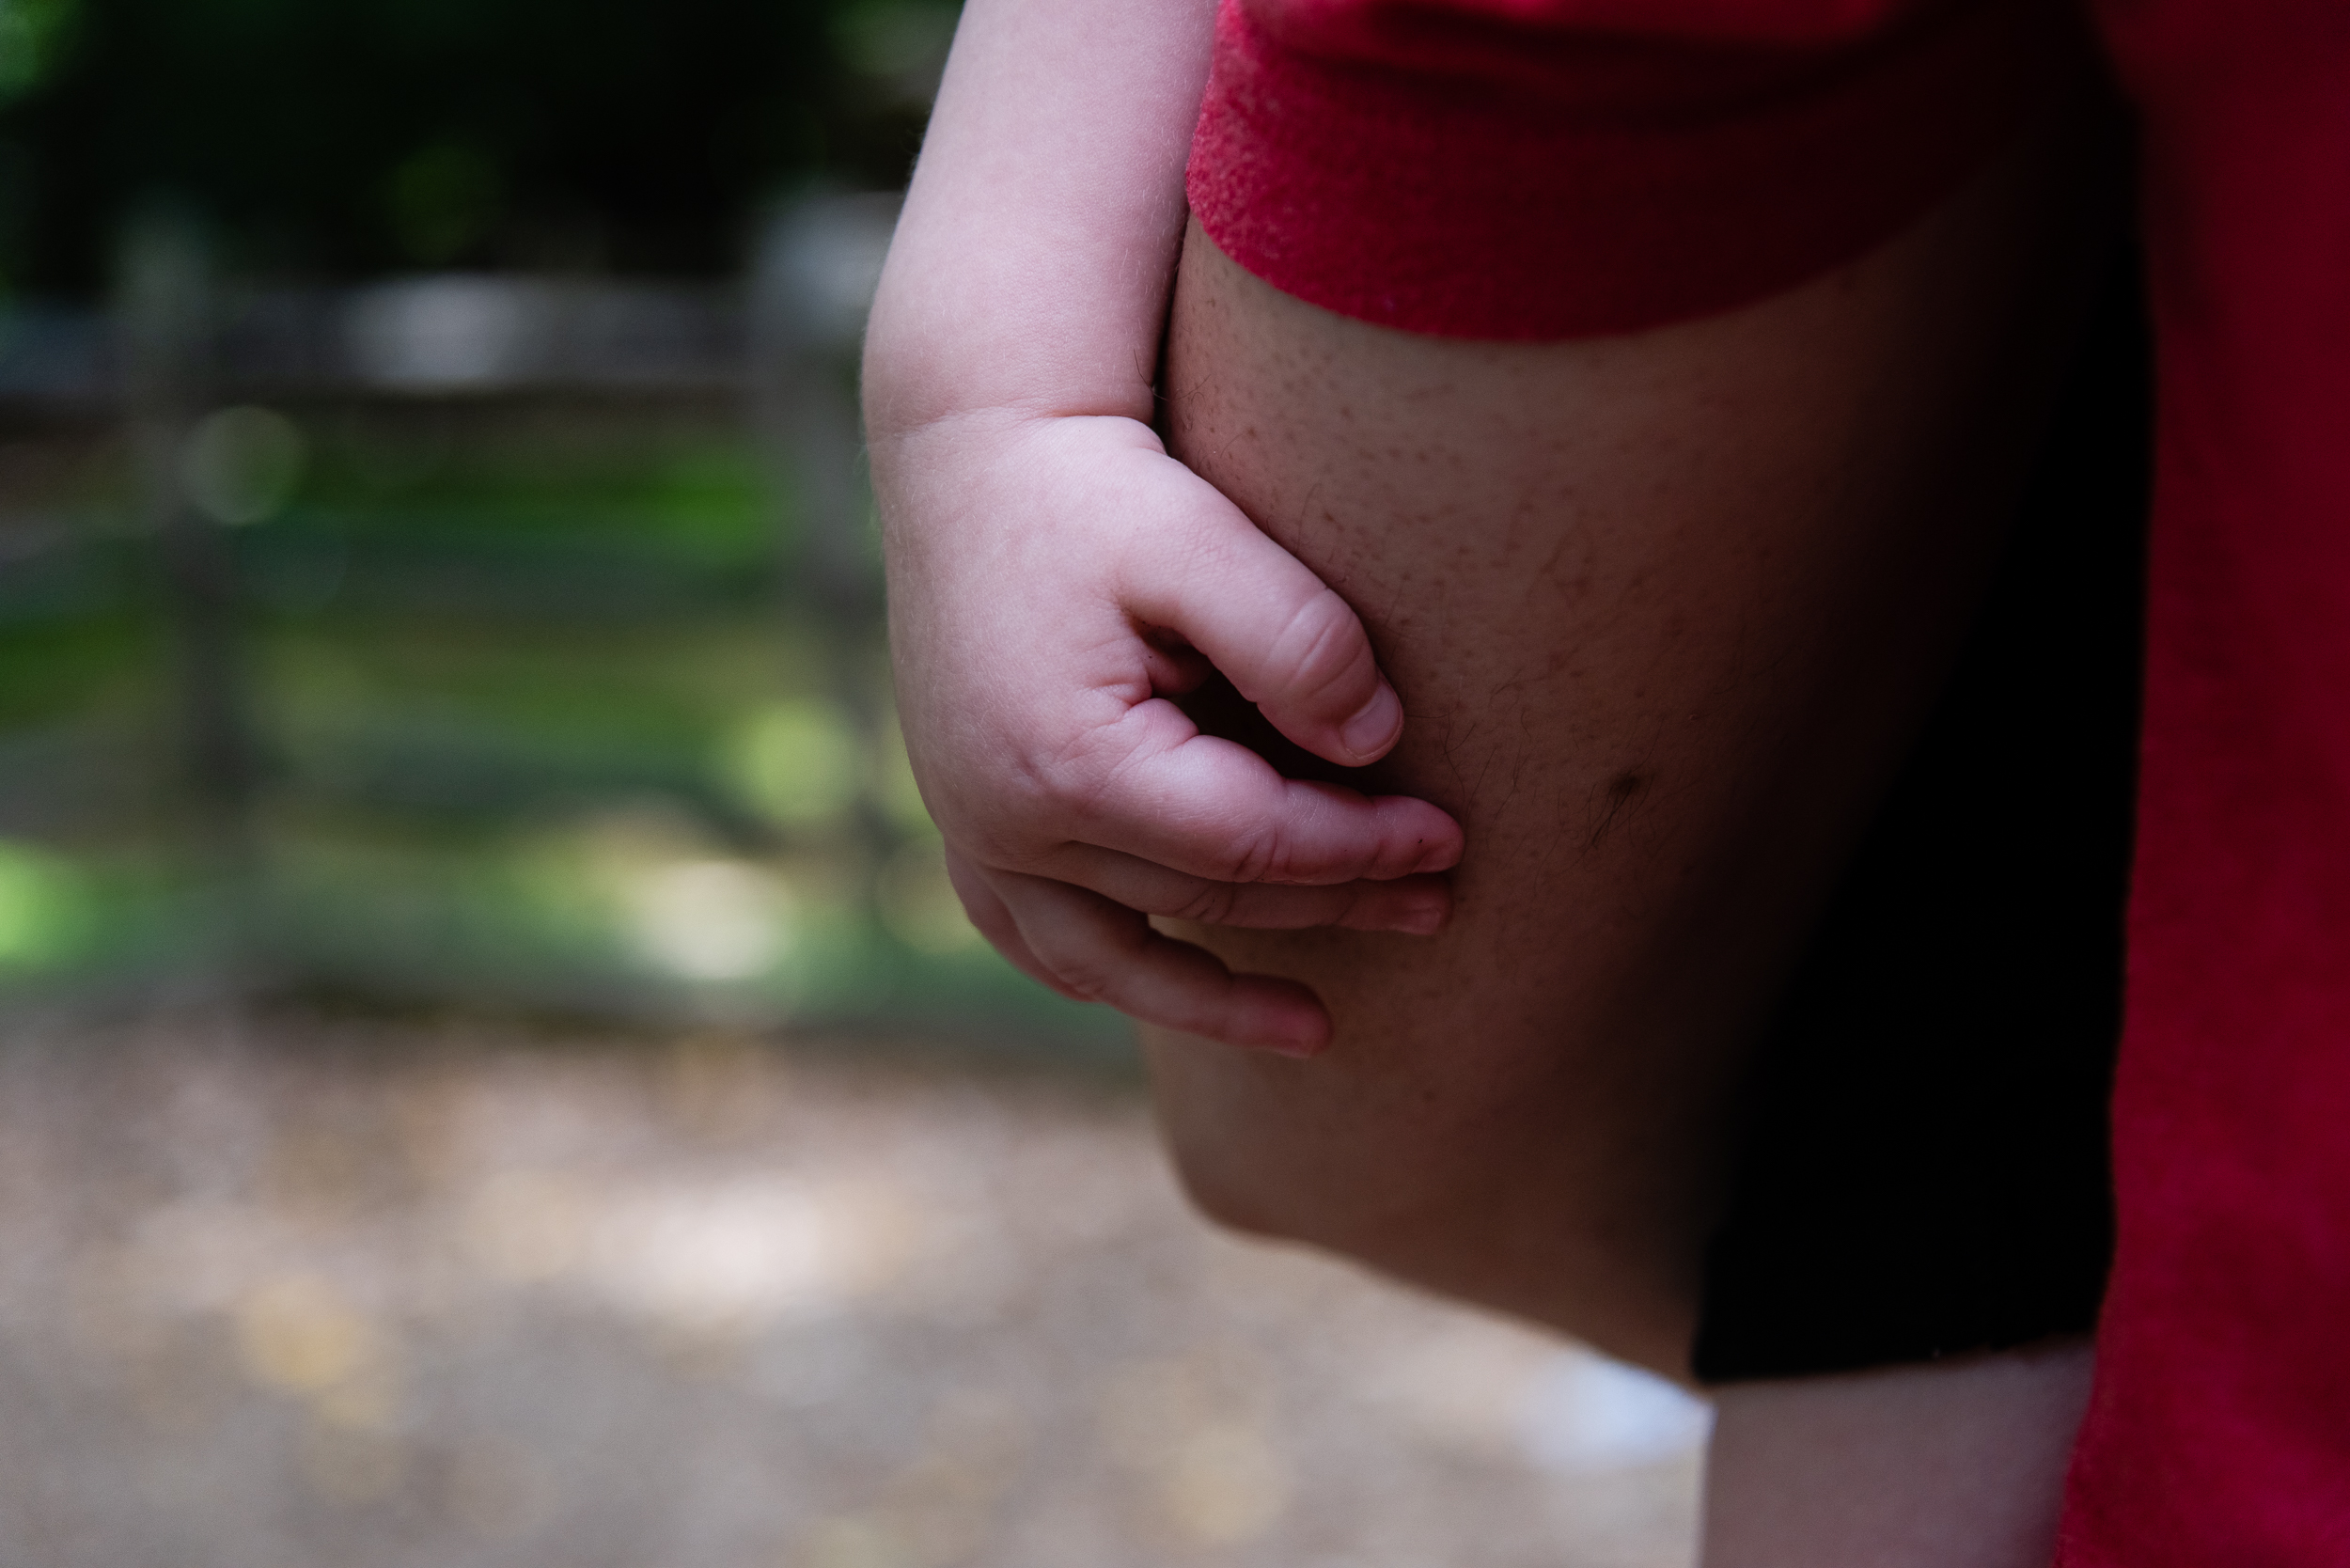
(1663,610)
(1954,1464)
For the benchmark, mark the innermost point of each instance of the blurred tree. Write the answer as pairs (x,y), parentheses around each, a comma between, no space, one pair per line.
(335,138)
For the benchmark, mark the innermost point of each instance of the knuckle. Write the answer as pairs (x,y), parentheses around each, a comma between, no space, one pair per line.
(1089,974)
(1321,649)
(1075,783)
(1048,791)
(1211,903)
(1001,849)
(1258,857)
(1083,981)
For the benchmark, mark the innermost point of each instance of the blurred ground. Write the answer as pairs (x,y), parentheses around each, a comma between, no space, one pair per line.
(284,1291)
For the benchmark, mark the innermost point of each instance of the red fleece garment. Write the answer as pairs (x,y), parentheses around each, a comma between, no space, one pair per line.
(1553,168)
(2220,1431)
(1451,172)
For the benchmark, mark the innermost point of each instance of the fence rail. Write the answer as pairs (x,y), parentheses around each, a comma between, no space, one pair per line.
(456,335)
(622,644)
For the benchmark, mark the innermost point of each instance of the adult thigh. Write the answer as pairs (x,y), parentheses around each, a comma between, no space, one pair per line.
(1663,610)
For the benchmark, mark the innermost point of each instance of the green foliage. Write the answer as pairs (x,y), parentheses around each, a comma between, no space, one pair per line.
(535,729)
(528,723)
(32,35)
(45,913)
(442,199)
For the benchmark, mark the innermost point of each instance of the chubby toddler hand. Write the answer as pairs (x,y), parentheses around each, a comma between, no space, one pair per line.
(1053,581)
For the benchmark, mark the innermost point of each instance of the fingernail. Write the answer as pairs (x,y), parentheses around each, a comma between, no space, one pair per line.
(1297,1048)
(1436,857)
(1375,724)
(1421,917)
(1298,1037)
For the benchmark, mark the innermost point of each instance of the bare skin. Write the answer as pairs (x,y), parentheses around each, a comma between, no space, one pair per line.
(1648,620)
(1664,610)
(1054,577)
(1949,1465)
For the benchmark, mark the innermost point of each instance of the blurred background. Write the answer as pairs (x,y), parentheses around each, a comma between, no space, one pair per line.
(493,1069)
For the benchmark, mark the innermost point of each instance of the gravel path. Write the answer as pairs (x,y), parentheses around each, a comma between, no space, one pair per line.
(286,1292)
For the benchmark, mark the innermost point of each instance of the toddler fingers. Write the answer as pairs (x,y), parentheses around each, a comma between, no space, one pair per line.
(988,914)
(1100,951)
(1416,905)
(1290,643)
(1155,787)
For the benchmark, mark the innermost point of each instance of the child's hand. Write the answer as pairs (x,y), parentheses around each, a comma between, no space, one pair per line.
(1054,576)
(1052,581)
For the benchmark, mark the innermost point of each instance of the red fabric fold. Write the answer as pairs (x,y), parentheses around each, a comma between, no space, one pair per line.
(2219,1430)
(1446,173)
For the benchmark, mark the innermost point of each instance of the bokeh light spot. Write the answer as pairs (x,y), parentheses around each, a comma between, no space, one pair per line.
(241,464)
(796,761)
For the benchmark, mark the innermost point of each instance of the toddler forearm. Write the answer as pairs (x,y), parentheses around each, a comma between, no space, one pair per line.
(1031,269)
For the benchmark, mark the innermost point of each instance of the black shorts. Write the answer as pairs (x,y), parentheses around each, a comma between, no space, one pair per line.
(1925,1168)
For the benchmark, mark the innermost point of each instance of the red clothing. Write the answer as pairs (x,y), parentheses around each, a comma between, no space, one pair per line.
(1535,177)
(2220,1427)
(1550,169)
